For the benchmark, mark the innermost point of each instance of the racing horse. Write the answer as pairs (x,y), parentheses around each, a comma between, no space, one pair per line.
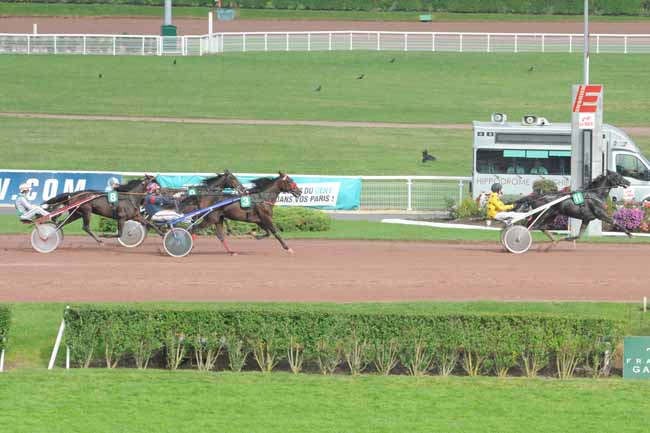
(592,208)
(212,186)
(262,198)
(127,207)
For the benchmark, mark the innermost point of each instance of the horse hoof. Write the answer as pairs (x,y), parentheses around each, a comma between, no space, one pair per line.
(290,251)
(233,254)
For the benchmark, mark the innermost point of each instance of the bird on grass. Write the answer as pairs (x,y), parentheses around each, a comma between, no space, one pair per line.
(531,69)
(360,76)
(392,60)
(100,75)
(174,61)
(426,157)
(318,89)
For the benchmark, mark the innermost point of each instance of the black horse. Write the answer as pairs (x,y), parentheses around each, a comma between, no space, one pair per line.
(593,207)
(130,198)
(262,198)
(212,186)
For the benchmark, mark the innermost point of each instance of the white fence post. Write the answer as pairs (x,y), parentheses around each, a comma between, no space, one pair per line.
(266,41)
(597,44)
(244,42)
(309,41)
(114,38)
(406,41)
(409,187)
(433,42)
(330,41)
(488,43)
(29,39)
(57,343)
(143,39)
(543,44)
(378,41)
(625,42)
(570,43)
(461,42)
(2,360)
(350,41)
(54,44)
(516,44)
(287,41)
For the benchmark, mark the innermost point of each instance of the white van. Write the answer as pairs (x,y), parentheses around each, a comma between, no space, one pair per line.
(518,154)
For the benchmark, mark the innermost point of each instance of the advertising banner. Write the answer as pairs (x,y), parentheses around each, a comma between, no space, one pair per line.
(47,184)
(318,192)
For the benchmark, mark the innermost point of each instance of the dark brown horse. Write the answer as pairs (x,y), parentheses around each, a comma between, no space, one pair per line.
(262,198)
(127,208)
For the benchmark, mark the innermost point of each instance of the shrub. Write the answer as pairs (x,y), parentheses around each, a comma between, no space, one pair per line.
(5,321)
(325,336)
(630,218)
(544,186)
(468,208)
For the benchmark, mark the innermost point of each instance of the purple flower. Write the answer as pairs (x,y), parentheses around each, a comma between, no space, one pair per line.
(561,222)
(630,218)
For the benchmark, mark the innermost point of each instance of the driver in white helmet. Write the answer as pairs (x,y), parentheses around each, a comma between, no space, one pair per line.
(24,208)
(112,184)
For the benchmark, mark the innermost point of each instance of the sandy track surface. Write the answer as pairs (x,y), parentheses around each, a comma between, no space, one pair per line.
(633,130)
(198,26)
(340,271)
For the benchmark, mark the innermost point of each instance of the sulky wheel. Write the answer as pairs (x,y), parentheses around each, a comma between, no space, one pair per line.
(178,242)
(517,239)
(503,235)
(45,238)
(133,234)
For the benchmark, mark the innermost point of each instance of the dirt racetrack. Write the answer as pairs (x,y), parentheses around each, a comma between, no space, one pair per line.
(199,26)
(339,271)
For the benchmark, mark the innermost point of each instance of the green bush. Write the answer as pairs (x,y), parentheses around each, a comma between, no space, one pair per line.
(287,219)
(327,339)
(5,321)
(468,208)
(544,186)
(598,7)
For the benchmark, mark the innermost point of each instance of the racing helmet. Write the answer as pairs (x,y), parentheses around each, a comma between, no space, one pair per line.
(153,186)
(23,187)
(113,181)
(497,187)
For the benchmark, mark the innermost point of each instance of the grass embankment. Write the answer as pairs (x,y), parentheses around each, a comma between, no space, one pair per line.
(81,10)
(417,87)
(114,401)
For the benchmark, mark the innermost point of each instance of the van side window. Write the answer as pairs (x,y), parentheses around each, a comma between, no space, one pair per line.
(631,166)
(523,162)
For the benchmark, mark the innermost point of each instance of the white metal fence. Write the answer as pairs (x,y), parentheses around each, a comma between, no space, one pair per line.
(412,192)
(319,41)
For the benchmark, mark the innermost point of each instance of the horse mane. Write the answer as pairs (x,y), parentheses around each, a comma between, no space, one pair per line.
(190,199)
(262,183)
(209,180)
(129,185)
(58,198)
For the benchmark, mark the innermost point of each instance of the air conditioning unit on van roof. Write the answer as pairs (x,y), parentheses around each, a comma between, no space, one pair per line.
(499,118)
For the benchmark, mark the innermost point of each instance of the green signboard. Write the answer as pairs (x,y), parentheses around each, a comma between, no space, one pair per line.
(112,197)
(636,358)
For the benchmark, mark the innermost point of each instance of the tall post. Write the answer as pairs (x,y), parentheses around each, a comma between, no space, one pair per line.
(168,13)
(210,30)
(585,80)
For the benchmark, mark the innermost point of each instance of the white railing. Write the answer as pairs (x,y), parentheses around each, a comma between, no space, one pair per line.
(320,41)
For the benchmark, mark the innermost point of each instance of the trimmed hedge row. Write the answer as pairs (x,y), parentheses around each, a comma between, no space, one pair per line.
(329,341)
(597,7)
(5,321)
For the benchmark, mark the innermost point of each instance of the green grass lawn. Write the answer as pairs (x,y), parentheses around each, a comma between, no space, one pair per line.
(187,401)
(173,147)
(63,9)
(417,87)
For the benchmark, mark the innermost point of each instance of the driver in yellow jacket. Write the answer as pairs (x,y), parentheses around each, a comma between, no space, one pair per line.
(495,205)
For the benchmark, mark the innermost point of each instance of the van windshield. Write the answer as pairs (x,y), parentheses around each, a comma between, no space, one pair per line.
(523,162)
(630,165)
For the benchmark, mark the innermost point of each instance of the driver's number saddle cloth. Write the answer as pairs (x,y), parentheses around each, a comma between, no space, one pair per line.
(164,216)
